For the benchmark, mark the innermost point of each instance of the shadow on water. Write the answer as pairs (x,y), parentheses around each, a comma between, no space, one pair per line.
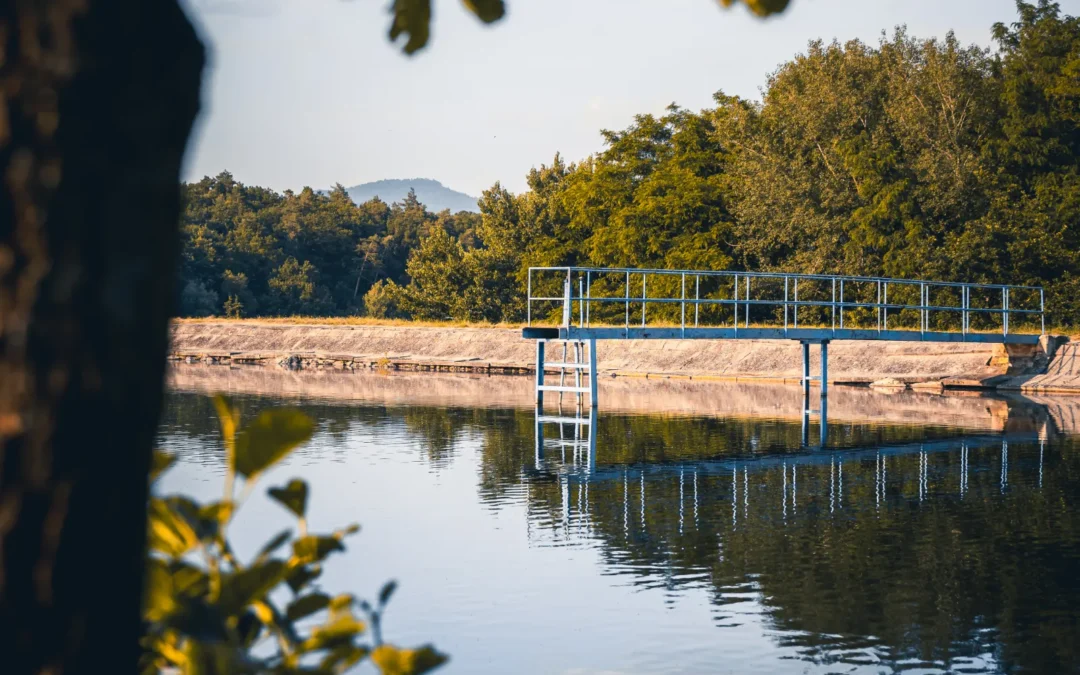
(863,547)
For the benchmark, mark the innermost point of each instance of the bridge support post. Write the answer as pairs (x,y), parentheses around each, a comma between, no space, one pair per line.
(824,368)
(539,373)
(592,376)
(806,368)
(823,421)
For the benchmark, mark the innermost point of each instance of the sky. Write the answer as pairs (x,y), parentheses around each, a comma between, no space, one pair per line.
(311,92)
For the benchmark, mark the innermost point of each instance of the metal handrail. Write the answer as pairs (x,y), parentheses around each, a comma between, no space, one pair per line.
(837,305)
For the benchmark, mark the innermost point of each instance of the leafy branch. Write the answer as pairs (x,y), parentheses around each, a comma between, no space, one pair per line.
(206,612)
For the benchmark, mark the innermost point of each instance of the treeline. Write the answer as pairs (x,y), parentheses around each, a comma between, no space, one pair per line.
(914,158)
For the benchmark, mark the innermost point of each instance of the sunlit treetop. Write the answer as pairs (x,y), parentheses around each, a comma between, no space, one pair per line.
(412,18)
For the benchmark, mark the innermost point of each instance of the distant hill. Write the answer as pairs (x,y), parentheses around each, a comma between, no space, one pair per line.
(431,193)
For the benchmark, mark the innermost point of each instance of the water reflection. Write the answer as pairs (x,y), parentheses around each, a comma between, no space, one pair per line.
(874,548)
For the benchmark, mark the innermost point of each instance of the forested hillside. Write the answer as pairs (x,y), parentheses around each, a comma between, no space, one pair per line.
(911,158)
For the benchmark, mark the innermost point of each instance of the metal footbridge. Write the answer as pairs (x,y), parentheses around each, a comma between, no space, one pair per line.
(573,307)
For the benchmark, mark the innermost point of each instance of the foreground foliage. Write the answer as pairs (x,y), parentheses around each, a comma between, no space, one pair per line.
(206,611)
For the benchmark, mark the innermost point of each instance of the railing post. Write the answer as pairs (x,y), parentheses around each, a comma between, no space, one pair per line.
(567,299)
(683,304)
(748,301)
(1042,312)
(528,310)
(922,308)
(841,304)
(879,305)
(644,296)
(964,309)
(1005,310)
(786,278)
(627,304)
(588,296)
(736,305)
(832,305)
(885,309)
(796,302)
(580,300)
(697,298)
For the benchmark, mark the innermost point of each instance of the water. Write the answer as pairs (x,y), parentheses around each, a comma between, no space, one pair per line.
(688,543)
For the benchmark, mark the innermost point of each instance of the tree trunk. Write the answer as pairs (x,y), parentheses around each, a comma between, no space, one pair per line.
(98,100)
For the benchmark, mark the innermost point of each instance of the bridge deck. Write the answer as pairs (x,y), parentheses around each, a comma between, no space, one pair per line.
(801,334)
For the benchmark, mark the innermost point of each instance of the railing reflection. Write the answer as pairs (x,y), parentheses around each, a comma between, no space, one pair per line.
(570,451)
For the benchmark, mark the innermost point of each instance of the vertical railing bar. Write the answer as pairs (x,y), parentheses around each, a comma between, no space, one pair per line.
(644,295)
(1042,312)
(922,308)
(885,309)
(786,279)
(747,301)
(735,306)
(627,304)
(879,306)
(841,304)
(1005,310)
(832,304)
(580,300)
(588,296)
(697,298)
(683,304)
(796,302)
(528,310)
(964,303)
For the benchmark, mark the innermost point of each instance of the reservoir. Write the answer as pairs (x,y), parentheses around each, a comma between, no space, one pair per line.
(931,534)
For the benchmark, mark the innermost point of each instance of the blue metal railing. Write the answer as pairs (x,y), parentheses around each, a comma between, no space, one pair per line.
(837,302)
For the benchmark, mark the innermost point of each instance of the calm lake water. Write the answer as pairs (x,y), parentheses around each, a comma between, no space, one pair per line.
(688,543)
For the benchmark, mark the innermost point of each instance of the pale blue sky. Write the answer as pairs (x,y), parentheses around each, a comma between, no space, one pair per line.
(310,92)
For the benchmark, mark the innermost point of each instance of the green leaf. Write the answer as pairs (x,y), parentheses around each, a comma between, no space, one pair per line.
(314,548)
(412,18)
(306,605)
(247,586)
(387,590)
(394,661)
(270,437)
(488,11)
(342,658)
(188,580)
(274,544)
(158,600)
(228,417)
(342,604)
(214,658)
(159,462)
(761,7)
(334,633)
(169,532)
(293,496)
(300,577)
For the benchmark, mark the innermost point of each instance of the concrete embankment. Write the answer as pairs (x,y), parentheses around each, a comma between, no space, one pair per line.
(969,410)
(1050,367)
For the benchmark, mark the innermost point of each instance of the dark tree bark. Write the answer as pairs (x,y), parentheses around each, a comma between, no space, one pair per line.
(98,100)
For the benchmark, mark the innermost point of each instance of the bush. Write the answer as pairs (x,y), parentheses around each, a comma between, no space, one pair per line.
(386,300)
(197,300)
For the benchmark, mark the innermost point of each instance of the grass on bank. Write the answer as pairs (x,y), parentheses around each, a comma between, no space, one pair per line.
(345,321)
(413,323)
